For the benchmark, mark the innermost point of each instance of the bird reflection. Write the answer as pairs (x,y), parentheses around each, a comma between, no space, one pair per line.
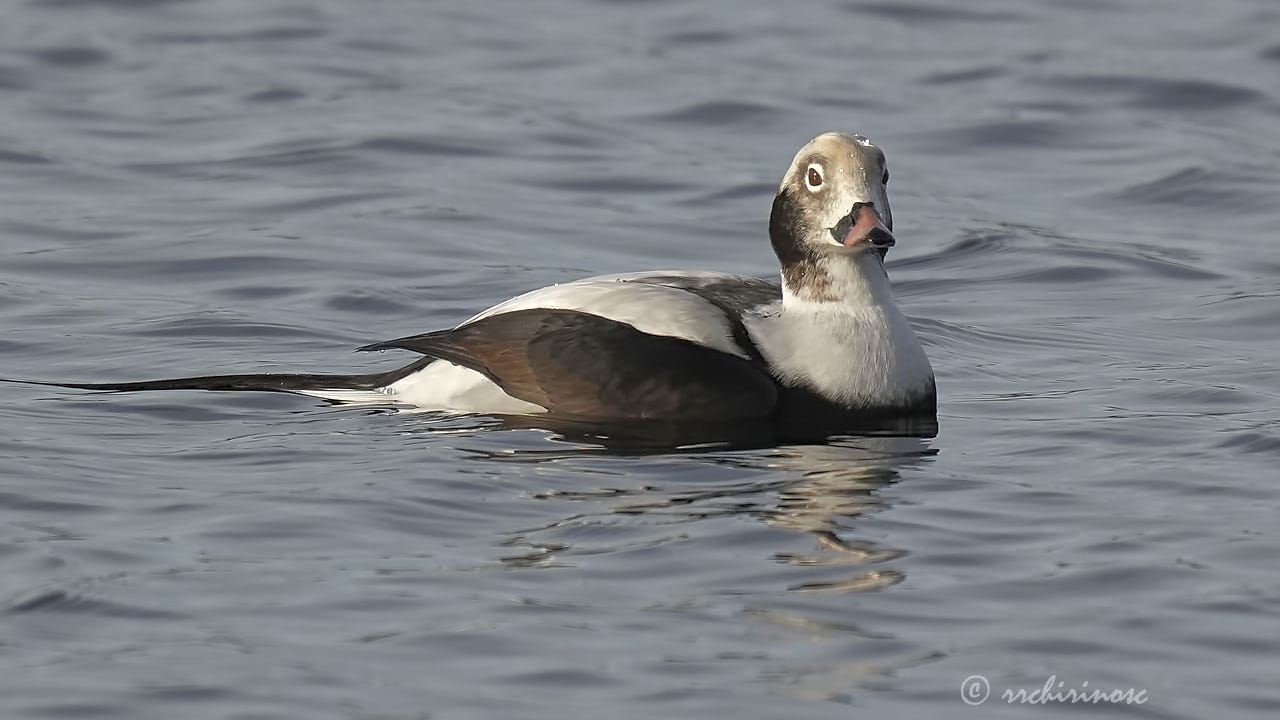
(833,484)
(817,489)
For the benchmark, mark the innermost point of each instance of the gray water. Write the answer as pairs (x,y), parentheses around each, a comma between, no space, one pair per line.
(1086,213)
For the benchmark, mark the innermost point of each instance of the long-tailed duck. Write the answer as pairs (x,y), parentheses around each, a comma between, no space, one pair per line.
(827,348)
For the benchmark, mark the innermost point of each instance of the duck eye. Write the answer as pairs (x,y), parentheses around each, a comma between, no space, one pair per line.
(815,177)
(885,180)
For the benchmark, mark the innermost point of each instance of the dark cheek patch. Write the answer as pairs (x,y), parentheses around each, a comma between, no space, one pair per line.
(798,259)
(785,224)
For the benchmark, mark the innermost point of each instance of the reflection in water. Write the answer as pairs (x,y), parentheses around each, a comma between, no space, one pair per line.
(814,489)
(662,437)
(833,484)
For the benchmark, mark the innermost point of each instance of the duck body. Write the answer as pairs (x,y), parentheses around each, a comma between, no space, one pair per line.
(825,350)
(674,346)
(827,343)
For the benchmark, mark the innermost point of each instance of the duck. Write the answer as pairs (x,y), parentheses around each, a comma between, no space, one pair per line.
(825,346)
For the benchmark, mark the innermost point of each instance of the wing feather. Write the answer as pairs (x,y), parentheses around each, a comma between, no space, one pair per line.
(583,366)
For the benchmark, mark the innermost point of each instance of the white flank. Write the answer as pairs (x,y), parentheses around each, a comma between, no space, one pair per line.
(439,386)
(344,395)
(445,386)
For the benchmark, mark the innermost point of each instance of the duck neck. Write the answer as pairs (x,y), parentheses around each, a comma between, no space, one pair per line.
(841,336)
(836,282)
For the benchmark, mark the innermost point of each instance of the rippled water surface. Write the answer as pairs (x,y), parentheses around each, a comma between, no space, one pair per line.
(1085,202)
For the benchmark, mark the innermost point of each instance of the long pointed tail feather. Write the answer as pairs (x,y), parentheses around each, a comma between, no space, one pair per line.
(304,383)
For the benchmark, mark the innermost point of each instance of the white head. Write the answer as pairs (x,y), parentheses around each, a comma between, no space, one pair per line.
(831,216)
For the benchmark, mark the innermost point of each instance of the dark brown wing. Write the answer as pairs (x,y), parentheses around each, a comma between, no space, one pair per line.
(584,366)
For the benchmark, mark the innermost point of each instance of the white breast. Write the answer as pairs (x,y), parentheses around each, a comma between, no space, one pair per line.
(859,356)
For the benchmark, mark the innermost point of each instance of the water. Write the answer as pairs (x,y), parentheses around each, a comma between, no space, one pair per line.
(1084,196)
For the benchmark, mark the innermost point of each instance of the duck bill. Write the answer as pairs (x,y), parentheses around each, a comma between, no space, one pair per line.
(863,227)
